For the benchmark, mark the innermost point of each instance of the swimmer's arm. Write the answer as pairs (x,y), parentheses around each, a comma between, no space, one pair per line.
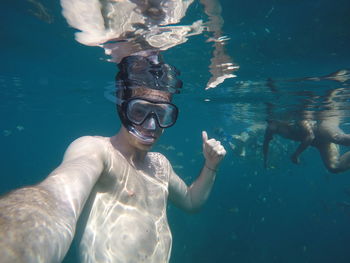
(38,222)
(308,137)
(302,147)
(267,138)
(193,197)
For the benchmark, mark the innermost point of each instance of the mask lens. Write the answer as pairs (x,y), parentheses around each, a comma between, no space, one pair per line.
(166,114)
(138,110)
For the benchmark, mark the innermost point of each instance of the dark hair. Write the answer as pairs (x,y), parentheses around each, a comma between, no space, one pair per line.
(146,72)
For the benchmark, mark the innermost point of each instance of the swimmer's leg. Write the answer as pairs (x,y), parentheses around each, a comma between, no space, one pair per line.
(331,132)
(341,138)
(332,159)
(344,162)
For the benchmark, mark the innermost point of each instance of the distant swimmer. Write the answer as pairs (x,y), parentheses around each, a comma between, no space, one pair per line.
(320,130)
(115,186)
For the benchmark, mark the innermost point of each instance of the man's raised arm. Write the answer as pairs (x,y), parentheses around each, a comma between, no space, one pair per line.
(193,197)
(37,223)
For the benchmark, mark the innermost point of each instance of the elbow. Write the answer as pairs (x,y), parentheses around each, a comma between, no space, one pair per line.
(194,207)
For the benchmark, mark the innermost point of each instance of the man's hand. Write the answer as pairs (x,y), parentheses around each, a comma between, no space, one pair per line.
(213,151)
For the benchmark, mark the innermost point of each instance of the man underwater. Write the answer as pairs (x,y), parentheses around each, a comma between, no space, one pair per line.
(118,186)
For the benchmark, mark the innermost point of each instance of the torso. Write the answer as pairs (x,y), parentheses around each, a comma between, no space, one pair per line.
(125,215)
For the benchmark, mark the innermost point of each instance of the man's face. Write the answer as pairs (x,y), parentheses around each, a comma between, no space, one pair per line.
(144,135)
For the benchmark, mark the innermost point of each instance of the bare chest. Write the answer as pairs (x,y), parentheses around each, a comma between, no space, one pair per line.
(127,214)
(145,188)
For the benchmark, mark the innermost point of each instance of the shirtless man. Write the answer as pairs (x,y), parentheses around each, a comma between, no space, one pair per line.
(120,188)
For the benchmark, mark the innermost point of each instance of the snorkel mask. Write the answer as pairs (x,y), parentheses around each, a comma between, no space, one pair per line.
(138,110)
(147,73)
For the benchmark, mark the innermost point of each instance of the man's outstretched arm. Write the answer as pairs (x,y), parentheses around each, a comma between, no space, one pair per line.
(193,197)
(37,223)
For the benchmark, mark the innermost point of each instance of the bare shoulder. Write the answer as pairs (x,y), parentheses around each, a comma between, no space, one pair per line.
(87,145)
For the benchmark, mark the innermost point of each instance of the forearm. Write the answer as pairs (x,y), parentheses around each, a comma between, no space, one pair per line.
(193,197)
(34,227)
(308,137)
(302,147)
(200,189)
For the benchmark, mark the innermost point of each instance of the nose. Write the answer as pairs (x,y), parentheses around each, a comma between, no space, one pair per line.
(150,123)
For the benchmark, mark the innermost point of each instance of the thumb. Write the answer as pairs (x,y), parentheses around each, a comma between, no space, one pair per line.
(204,136)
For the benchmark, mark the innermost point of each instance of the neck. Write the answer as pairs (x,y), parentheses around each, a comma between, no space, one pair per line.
(122,141)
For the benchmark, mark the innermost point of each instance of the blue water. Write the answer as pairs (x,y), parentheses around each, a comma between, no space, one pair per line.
(52,91)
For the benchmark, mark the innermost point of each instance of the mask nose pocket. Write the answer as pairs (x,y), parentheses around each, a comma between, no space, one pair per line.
(150,123)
